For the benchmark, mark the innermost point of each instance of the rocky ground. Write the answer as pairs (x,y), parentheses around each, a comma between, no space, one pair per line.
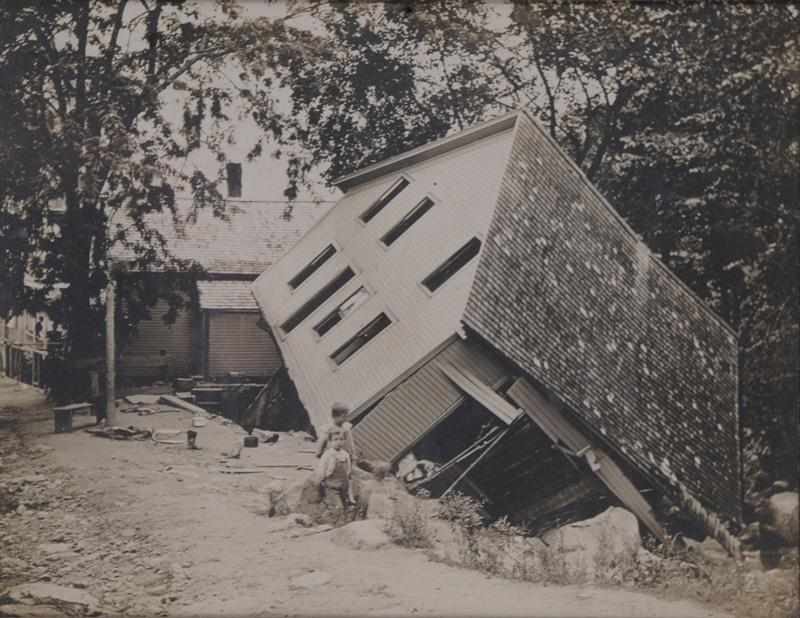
(93,526)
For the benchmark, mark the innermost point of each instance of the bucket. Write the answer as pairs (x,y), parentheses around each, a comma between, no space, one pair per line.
(63,421)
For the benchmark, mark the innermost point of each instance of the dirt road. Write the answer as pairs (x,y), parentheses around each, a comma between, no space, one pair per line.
(148,528)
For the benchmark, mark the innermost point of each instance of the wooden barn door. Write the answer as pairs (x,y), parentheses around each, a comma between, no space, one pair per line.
(236,343)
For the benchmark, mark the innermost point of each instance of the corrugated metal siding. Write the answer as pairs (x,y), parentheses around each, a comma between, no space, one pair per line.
(153,336)
(464,185)
(411,409)
(236,343)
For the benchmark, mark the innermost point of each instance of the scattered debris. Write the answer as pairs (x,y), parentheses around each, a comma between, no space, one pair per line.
(162,436)
(294,466)
(268,437)
(121,433)
(143,400)
(183,405)
(62,415)
(239,471)
(250,441)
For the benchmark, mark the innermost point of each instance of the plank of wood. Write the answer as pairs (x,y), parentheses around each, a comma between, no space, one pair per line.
(73,407)
(555,424)
(183,405)
(561,499)
(239,471)
(480,392)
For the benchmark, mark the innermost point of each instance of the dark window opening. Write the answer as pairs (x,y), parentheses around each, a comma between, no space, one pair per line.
(317,300)
(233,172)
(383,200)
(350,304)
(460,430)
(361,338)
(406,222)
(313,266)
(453,264)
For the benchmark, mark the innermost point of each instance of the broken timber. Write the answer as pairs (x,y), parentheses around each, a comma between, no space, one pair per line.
(559,428)
(184,405)
(478,459)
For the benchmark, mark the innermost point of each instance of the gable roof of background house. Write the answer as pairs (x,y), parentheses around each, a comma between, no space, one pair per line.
(251,237)
(231,295)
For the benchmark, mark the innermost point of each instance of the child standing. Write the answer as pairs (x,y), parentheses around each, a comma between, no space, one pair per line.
(339,412)
(334,471)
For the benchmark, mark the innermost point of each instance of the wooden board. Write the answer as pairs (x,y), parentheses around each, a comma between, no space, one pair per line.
(481,392)
(183,405)
(555,424)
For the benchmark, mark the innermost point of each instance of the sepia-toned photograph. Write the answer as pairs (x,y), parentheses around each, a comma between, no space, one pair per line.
(453,308)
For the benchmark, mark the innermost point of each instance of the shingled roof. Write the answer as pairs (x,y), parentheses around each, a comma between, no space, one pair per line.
(226,295)
(569,293)
(250,239)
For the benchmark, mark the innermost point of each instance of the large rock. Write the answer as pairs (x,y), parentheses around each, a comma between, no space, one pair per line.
(387,499)
(43,593)
(583,549)
(783,516)
(447,542)
(363,534)
(301,497)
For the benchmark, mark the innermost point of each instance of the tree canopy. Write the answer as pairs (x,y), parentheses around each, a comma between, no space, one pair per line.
(89,147)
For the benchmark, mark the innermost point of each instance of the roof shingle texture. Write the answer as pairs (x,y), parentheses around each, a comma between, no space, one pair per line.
(235,295)
(567,292)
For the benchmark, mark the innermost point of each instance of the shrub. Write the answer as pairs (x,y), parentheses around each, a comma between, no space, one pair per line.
(408,527)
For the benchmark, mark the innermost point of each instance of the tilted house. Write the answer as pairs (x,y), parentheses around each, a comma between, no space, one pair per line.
(219,332)
(478,303)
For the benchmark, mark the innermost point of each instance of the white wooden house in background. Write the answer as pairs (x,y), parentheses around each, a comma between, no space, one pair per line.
(476,300)
(218,333)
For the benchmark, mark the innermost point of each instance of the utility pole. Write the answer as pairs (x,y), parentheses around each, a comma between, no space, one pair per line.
(111,408)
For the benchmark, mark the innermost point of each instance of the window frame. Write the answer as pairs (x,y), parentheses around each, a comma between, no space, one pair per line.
(318,299)
(331,357)
(310,265)
(384,199)
(369,294)
(230,176)
(408,220)
(451,259)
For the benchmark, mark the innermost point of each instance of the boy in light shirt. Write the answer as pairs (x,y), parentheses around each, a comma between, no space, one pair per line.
(334,470)
(339,412)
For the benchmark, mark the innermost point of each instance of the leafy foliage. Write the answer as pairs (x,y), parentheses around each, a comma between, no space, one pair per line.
(92,150)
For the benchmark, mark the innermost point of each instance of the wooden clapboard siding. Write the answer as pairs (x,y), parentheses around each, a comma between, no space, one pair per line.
(407,413)
(463,184)
(154,335)
(236,343)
